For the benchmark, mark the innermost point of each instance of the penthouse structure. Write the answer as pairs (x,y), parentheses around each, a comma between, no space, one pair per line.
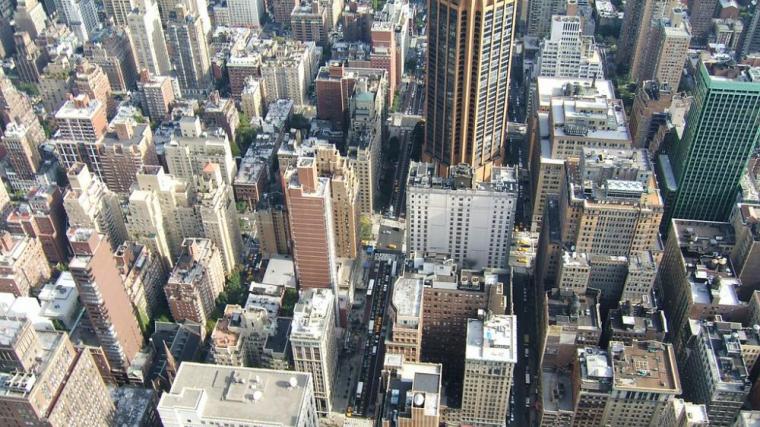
(312,338)
(205,393)
(718,376)
(196,281)
(468,221)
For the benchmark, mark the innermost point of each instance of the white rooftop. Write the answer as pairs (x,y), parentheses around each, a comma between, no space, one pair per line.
(492,339)
(238,395)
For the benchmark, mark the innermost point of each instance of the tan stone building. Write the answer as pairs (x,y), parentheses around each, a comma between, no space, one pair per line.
(406,318)
(196,281)
(308,21)
(239,336)
(46,381)
(412,393)
(22,264)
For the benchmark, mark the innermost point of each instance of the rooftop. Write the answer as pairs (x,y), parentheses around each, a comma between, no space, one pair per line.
(647,366)
(557,391)
(723,343)
(595,369)
(411,385)
(189,267)
(132,405)
(407,297)
(312,314)
(637,319)
(238,394)
(492,339)
(567,308)
(422,175)
(551,87)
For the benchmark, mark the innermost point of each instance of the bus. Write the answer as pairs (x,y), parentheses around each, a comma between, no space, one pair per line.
(527,378)
(371,326)
(393,269)
(369,287)
(359,388)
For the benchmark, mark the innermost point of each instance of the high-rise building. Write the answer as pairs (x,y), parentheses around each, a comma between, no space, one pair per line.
(665,53)
(187,44)
(308,20)
(489,364)
(29,58)
(221,113)
(188,153)
(110,48)
(615,208)
(637,17)
(383,54)
(406,317)
(91,80)
(272,227)
(239,336)
(247,397)
(144,275)
(246,13)
(471,222)
(30,17)
(81,16)
(23,155)
(157,94)
(105,300)
(311,225)
(46,381)
(696,277)
(468,82)
(701,13)
(80,120)
(196,281)
(563,125)
(312,337)
(717,373)
(16,107)
(708,162)
(540,13)
(43,217)
(56,81)
(119,10)
(215,205)
(123,151)
(561,334)
(90,204)
(649,116)
(750,42)
(147,37)
(568,53)
(22,265)
(681,413)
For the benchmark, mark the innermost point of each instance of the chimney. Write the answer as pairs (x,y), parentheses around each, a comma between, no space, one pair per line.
(307,174)
(81,100)
(124,257)
(144,75)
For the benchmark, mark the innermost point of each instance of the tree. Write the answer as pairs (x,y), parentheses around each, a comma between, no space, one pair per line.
(365,227)
(288,302)
(246,135)
(298,121)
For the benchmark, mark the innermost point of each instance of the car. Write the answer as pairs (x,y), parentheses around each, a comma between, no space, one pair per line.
(527,402)
(527,353)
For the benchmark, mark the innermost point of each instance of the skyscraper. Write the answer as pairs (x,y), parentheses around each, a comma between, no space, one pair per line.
(189,50)
(147,36)
(468,66)
(105,300)
(489,364)
(708,162)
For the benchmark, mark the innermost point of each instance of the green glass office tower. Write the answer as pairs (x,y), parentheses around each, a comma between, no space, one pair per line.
(722,131)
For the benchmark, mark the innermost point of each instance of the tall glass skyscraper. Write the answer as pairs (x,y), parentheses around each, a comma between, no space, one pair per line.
(469,62)
(722,131)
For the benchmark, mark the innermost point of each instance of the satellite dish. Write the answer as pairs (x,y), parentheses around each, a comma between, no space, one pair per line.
(419,399)
(293,382)
(257,395)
